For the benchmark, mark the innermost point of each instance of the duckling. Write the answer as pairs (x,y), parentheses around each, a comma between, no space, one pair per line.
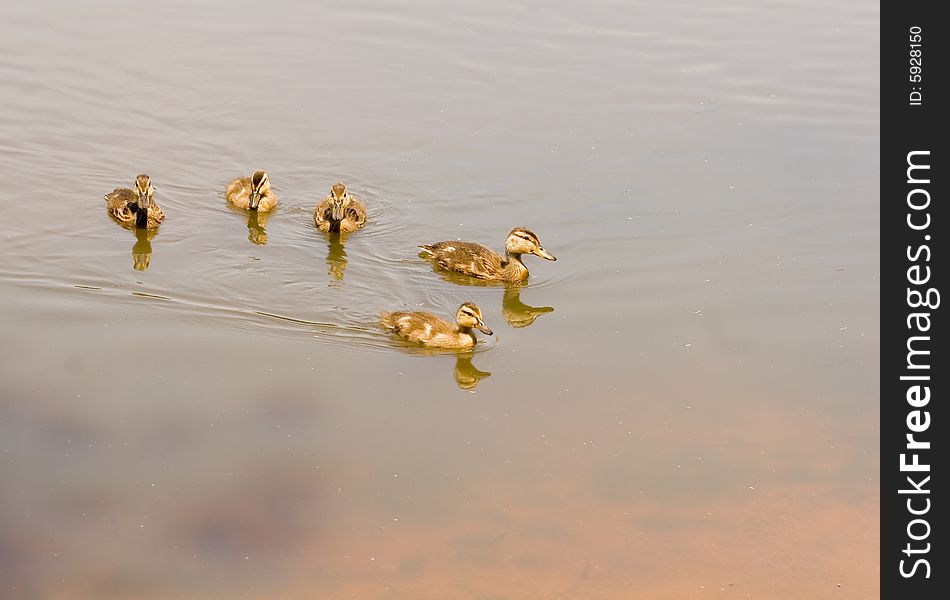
(478,261)
(135,208)
(431,331)
(252,193)
(339,212)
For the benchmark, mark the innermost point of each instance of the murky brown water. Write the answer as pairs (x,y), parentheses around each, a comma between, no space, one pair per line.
(697,417)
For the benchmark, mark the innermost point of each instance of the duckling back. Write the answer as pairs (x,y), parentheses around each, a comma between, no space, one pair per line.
(426,329)
(473,259)
(118,201)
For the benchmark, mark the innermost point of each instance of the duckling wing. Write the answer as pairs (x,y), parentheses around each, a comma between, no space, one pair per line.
(155,215)
(355,216)
(321,216)
(465,257)
(118,201)
(421,327)
(120,198)
(268,201)
(238,192)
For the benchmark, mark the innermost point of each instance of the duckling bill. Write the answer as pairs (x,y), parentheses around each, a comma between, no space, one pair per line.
(135,208)
(478,261)
(339,211)
(432,331)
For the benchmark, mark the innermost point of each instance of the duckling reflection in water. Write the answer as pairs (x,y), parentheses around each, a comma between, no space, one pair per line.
(478,261)
(336,257)
(516,312)
(255,228)
(339,211)
(135,208)
(142,249)
(434,332)
(467,375)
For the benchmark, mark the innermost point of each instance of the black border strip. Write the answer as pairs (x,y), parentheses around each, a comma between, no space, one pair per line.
(913,242)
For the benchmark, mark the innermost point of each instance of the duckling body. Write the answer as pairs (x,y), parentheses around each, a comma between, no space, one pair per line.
(339,212)
(478,261)
(135,208)
(252,193)
(432,331)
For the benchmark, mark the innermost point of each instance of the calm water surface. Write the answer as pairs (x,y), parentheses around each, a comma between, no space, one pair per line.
(684,405)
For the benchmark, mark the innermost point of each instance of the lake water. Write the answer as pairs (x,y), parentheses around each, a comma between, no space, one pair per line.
(696,417)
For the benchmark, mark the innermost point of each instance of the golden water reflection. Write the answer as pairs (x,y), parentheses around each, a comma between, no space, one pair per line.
(256,222)
(517,313)
(467,375)
(142,248)
(336,256)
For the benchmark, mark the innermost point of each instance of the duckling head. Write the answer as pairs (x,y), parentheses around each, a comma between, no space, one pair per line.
(144,191)
(522,240)
(339,199)
(260,185)
(469,316)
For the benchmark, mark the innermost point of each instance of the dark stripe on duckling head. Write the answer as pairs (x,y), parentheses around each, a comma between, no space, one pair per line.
(525,233)
(142,183)
(258,179)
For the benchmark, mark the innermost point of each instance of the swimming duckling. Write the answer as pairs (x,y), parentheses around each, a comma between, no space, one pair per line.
(478,261)
(135,208)
(339,212)
(252,193)
(434,332)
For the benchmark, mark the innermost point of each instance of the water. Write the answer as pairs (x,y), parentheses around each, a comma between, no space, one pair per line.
(691,409)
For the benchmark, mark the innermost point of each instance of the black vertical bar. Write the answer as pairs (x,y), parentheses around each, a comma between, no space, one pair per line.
(913,263)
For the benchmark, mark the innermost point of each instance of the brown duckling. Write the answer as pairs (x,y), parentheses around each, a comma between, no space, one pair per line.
(339,212)
(135,208)
(478,261)
(434,332)
(252,193)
